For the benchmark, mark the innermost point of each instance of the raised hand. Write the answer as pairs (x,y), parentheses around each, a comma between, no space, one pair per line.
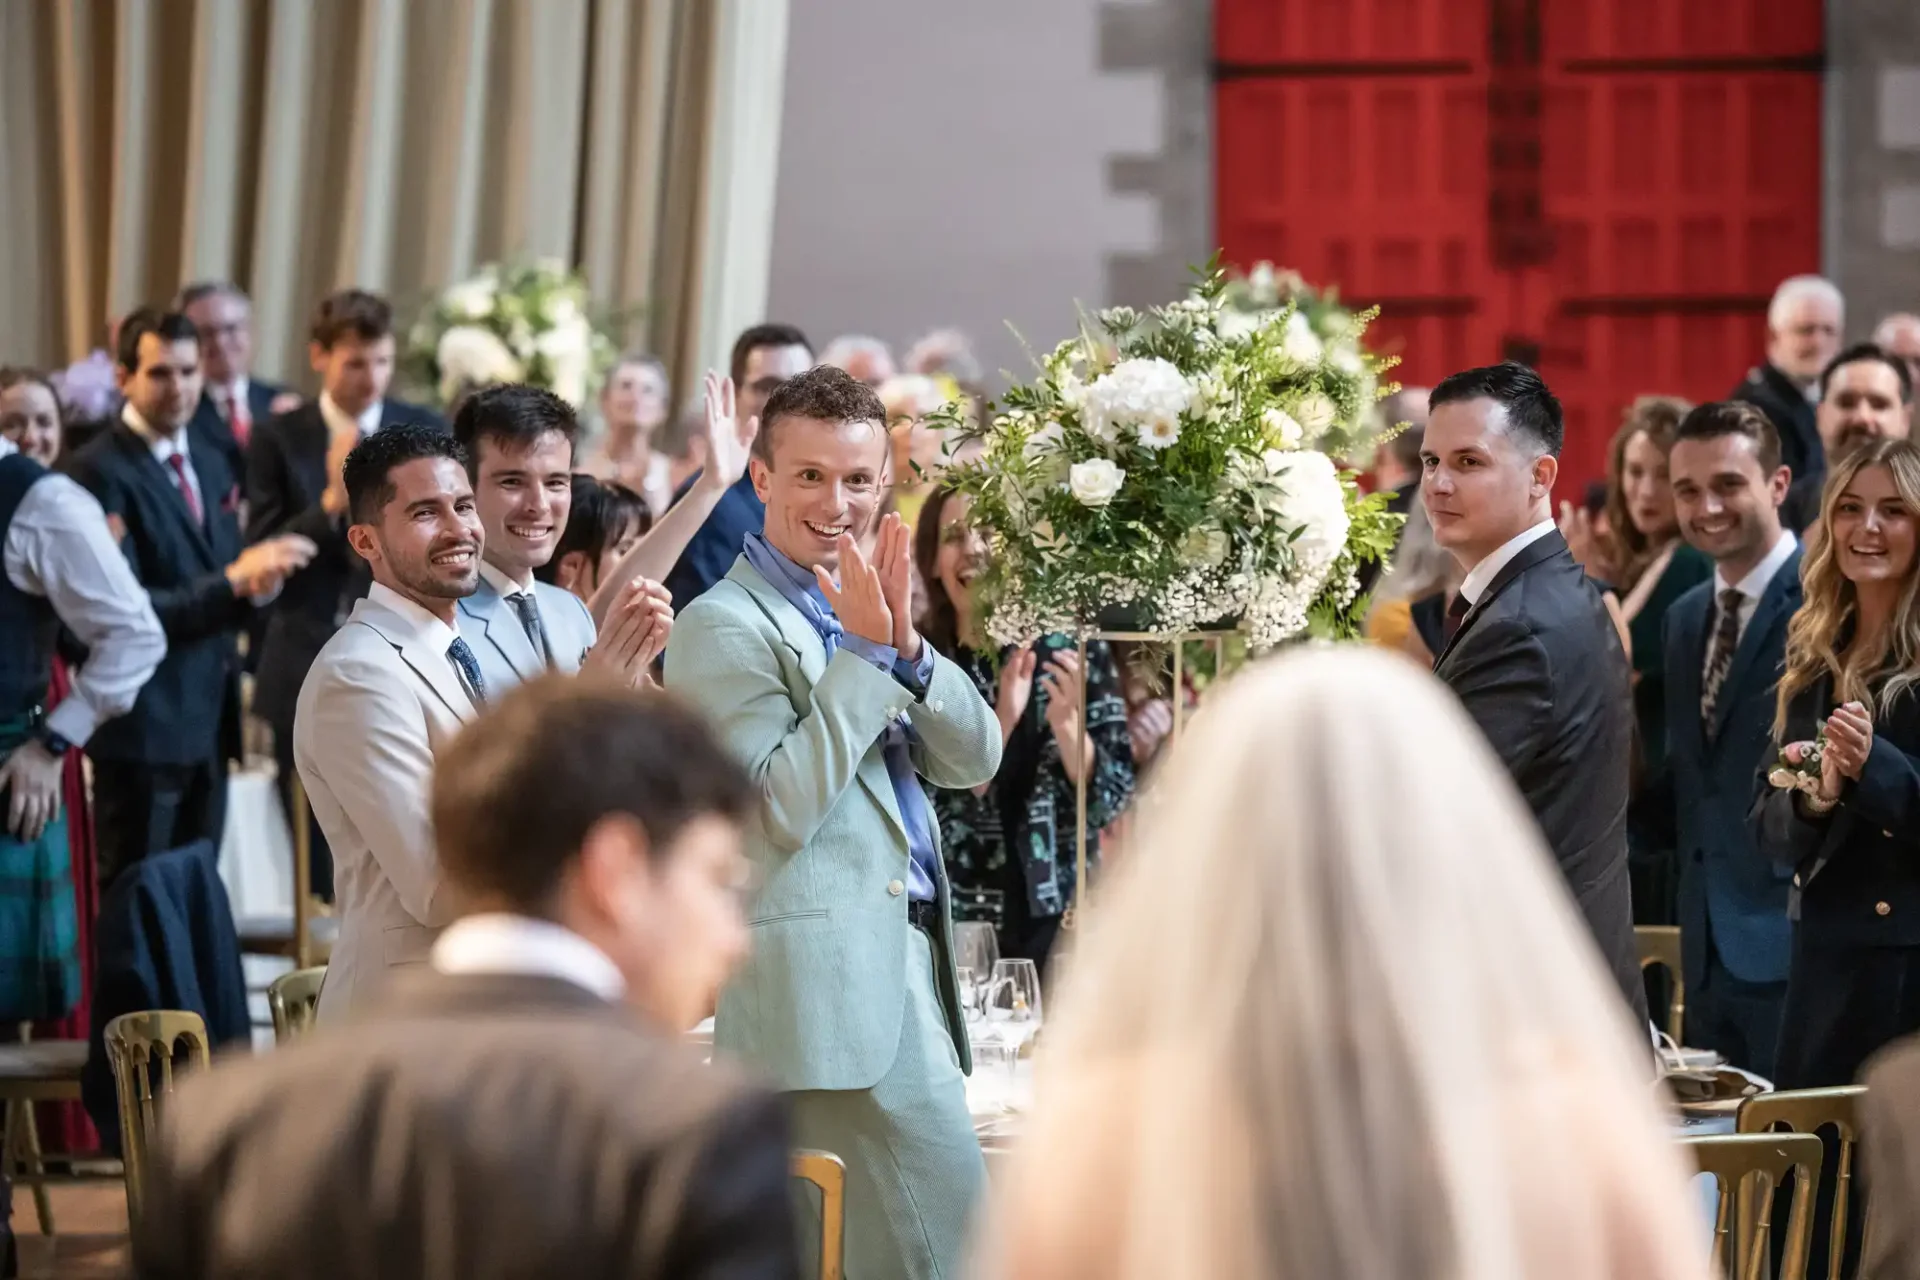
(1065,711)
(265,565)
(1849,740)
(729,441)
(1148,726)
(626,647)
(893,560)
(333,500)
(857,599)
(1016,689)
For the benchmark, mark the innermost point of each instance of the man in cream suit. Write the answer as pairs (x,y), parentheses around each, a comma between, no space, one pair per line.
(519,445)
(386,693)
(831,699)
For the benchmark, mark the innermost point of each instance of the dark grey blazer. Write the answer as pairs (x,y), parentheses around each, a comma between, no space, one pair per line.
(474,1126)
(1539,666)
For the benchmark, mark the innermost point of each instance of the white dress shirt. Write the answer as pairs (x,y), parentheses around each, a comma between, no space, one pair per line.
(59,548)
(1481,576)
(429,629)
(496,942)
(164,449)
(1751,588)
(233,393)
(339,421)
(500,582)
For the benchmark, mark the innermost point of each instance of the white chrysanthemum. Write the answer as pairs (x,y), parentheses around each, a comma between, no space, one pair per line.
(470,356)
(1095,481)
(1135,393)
(1301,343)
(1158,433)
(471,299)
(1314,500)
(1281,428)
(1316,412)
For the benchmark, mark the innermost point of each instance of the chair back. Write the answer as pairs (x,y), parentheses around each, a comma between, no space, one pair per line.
(1659,947)
(829,1173)
(1731,1159)
(1808,1111)
(292,998)
(139,1046)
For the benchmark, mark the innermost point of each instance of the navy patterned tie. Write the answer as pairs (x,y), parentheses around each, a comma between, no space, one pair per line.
(470,669)
(529,610)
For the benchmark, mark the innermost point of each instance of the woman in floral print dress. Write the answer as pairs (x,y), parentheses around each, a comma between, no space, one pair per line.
(1010,845)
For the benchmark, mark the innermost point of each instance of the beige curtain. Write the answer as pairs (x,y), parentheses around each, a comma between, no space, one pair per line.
(298,146)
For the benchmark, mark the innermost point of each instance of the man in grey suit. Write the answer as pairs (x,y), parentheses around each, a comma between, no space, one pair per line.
(806,660)
(525,1105)
(519,443)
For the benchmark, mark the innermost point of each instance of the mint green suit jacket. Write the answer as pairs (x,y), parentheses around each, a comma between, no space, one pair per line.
(818,1003)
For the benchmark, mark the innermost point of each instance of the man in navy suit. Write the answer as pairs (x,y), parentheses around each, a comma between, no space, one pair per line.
(294,485)
(160,771)
(763,357)
(1726,643)
(233,402)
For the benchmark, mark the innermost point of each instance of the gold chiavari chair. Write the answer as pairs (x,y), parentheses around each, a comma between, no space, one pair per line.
(1659,947)
(1807,1111)
(829,1173)
(35,1071)
(139,1047)
(292,997)
(1732,1159)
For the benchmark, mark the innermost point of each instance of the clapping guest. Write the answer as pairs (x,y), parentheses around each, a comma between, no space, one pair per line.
(1011,844)
(633,408)
(522,1104)
(604,521)
(1866,394)
(1302,1039)
(1853,677)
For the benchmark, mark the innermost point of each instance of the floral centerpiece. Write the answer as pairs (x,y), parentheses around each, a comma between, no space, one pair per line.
(1166,468)
(1318,324)
(510,323)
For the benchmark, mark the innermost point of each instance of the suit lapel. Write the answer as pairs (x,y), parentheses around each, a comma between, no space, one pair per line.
(1691,627)
(1535,552)
(160,482)
(216,487)
(1777,603)
(504,632)
(436,669)
(805,641)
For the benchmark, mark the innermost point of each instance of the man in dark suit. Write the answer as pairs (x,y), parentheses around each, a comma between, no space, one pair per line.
(763,357)
(524,1104)
(294,485)
(160,771)
(1534,655)
(1866,394)
(1726,643)
(1804,323)
(233,401)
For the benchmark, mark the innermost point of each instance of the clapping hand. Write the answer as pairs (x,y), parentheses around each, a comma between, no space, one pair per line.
(1849,740)
(858,599)
(263,566)
(638,624)
(729,441)
(1576,526)
(1066,710)
(1016,689)
(893,560)
(1148,726)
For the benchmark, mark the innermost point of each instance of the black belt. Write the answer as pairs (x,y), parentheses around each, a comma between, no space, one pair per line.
(923,914)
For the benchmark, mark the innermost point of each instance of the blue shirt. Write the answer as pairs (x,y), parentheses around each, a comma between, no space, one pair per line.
(801,589)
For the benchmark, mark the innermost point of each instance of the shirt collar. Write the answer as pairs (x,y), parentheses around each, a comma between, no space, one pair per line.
(1481,576)
(1754,585)
(426,628)
(162,447)
(236,391)
(498,942)
(338,419)
(785,574)
(501,583)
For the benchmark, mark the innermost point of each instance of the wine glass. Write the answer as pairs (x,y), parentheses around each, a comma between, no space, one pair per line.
(969,987)
(1013,1001)
(976,949)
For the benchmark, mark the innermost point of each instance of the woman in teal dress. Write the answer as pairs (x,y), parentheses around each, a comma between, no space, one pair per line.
(1010,846)
(1653,567)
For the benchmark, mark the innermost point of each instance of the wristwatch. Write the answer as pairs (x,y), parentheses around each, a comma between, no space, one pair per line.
(52,741)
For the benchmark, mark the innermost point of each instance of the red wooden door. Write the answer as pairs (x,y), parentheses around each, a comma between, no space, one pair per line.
(1607,189)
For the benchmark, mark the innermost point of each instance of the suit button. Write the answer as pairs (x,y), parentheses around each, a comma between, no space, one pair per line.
(1886,835)
(1796,879)
(1882,909)
(938,705)
(895,888)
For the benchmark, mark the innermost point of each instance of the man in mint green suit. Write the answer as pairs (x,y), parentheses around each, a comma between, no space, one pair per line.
(825,691)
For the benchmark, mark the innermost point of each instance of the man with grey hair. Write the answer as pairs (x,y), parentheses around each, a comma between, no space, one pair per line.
(1899,335)
(233,401)
(869,360)
(1804,323)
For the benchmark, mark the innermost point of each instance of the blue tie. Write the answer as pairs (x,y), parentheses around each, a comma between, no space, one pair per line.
(463,659)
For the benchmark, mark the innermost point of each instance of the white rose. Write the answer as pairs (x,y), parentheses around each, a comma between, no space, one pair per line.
(1095,481)
(1316,413)
(1282,428)
(1136,393)
(469,356)
(1301,343)
(471,299)
(1314,502)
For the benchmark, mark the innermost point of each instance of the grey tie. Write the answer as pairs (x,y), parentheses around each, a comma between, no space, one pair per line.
(1726,638)
(529,610)
(469,668)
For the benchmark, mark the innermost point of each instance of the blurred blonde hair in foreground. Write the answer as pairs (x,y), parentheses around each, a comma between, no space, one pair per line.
(1336,1016)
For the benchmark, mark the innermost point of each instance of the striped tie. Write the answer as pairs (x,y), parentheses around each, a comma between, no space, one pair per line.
(1726,638)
